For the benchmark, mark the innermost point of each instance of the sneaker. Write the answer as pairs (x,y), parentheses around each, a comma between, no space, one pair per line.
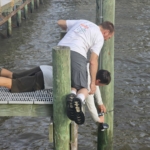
(79,117)
(70,106)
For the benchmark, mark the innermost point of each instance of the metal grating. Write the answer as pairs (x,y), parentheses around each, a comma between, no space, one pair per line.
(37,97)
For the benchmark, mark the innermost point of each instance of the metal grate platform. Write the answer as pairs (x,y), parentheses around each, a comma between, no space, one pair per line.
(37,97)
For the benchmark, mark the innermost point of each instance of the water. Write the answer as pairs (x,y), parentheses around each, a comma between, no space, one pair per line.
(31,45)
(132,84)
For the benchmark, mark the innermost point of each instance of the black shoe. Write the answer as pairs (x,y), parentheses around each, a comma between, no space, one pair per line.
(70,106)
(103,126)
(79,117)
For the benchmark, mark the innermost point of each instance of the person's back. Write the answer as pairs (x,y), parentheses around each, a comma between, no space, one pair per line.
(83,35)
(47,76)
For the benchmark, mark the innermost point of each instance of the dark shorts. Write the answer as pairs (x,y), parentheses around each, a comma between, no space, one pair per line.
(28,81)
(78,71)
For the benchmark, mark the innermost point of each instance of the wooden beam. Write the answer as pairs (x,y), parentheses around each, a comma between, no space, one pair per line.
(34,110)
(14,12)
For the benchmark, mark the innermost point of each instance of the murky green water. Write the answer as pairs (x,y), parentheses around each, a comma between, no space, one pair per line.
(31,45)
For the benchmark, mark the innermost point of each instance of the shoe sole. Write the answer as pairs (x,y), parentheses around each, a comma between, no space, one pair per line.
(70,107)
(79,117)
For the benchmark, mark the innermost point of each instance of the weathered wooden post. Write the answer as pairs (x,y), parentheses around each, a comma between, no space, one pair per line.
(41,1)
(37,3)
(18,17)
(74,136)
(51,131)
(73,125)
(105,138)
(9,24)
(25,11)
(9,27)
(61,87)
(32,6)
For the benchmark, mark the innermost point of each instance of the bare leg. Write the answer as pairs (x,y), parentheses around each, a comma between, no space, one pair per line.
(6,82)
(6,73)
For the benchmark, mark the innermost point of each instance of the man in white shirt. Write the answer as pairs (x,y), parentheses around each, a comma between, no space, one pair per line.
(83,36)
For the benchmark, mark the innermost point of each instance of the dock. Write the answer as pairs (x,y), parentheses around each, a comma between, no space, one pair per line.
(9,8)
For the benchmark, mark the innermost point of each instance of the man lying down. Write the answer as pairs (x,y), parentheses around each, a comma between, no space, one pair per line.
(41,77)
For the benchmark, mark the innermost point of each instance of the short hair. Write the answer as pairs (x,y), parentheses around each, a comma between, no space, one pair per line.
(108,26)
(104,76)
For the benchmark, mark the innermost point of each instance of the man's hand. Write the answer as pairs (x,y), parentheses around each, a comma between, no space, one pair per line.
(102,108)
(101,119)
(92,88)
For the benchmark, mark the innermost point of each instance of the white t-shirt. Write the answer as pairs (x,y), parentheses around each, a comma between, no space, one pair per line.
(83,35)
(47,75)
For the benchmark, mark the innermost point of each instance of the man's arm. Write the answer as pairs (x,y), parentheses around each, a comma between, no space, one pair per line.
(62,24)
(92,109)
(99,101)
(93,71)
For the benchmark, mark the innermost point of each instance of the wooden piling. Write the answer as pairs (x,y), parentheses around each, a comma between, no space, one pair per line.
(61,87)
(32,6)
(41,1)
(107,63)
(26,11)
(9,27)
(99,11)
(73,125)
(18,17)
(37,3)
(51,129)
(9,22)
(74,136)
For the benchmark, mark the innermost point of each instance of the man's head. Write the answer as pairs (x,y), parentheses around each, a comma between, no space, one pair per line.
(107,29)
(103,78)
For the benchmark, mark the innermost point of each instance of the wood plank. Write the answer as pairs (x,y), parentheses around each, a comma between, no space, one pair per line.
(4,5)
(4,2)
(14,12)
(26,110)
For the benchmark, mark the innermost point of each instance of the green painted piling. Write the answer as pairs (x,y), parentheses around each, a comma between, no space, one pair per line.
(105,139)
(32,6)
(9,27)
(61,87)
(74,136)
(51,132)
(99,11)
(18,17)
(26,11)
